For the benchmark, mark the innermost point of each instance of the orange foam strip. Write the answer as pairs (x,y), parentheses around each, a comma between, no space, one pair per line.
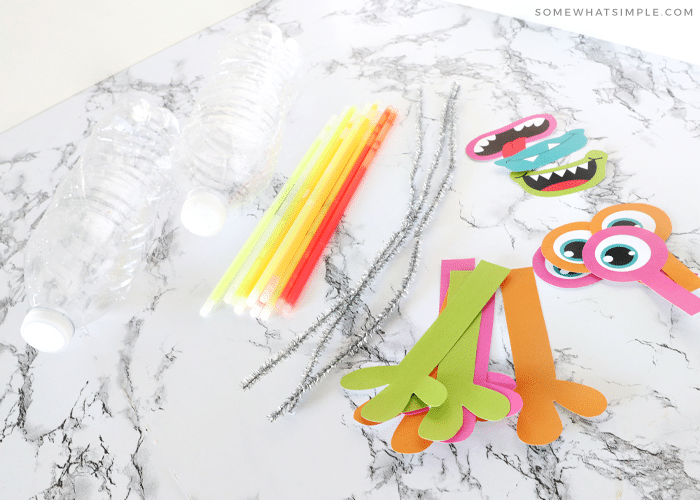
(539,422)
(358,416)
(679,273)
(406,438)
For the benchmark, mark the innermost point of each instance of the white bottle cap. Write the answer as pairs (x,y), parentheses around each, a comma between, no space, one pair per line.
(203,213)
(46,329)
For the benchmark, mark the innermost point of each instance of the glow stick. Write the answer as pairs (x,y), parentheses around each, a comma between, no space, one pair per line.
(308,263)
(235,295)
(286,250)
(264,224)
(364,132)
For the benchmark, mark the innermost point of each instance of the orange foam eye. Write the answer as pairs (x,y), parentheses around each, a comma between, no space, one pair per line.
(634,215)
(563,246)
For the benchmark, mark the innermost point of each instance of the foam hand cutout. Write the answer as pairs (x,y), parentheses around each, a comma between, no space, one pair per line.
(412,375)
(539,422)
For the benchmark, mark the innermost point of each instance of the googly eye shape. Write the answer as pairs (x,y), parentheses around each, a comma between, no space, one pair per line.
(633,215)
(563,247)
(569,246)
(559,277)
(625,253)
(621,256)
(560,273)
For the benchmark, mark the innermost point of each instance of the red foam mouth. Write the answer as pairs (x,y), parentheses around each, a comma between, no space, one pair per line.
(560,186)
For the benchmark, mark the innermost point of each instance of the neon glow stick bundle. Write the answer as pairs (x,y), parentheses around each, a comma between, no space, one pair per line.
(273,266)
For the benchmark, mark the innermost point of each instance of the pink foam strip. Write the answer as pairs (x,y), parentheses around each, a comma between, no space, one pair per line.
(673,292)
(446,267)
(495,381)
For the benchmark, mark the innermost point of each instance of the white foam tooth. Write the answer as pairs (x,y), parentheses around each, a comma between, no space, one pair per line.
(485,141)
(518,128)
(547,175)
(560,173)
(572,170)
(552,145)
(583,166)
(534,177)
(538,121)
(478,149)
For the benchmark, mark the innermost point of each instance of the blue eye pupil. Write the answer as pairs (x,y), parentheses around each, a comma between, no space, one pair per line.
(619,256)
(565,274)
(625,222)
(573,250)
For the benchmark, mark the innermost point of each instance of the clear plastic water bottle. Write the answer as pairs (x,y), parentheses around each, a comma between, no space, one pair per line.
(93,237)
(227,150)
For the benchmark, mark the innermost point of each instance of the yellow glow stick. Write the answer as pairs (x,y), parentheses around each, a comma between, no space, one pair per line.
(238,294)
(363,133)
(286,251)
(264,225)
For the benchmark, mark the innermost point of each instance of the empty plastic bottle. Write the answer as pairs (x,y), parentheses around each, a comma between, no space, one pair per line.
(227,150)
(93,237)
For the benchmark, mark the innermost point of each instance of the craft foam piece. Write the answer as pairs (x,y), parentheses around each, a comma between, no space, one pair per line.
(357,415)
(559,181)
(411,376)
(406,438)
(468,425)
(446,267)
(633,214)
(553,275)
(491,145)
(652,219)
(563,246)
(478,373)
(482,376)
(496,381)
(539,422)
(677,271)
(456,372)
(627,253)
(545,152)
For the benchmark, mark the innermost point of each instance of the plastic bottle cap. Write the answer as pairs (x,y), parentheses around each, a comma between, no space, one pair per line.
(203,213)
(46,329)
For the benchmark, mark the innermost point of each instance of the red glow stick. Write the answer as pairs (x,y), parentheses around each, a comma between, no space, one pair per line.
(307,264)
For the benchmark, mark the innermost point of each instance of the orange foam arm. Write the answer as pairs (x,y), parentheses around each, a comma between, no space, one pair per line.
(539,422)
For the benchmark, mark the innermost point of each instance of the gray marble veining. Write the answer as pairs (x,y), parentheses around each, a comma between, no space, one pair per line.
(146,402)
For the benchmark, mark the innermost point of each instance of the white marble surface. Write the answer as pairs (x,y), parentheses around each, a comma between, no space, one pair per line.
(147,404)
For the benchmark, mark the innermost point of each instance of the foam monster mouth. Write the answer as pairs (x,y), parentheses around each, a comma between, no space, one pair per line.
(514,137)
(571,178)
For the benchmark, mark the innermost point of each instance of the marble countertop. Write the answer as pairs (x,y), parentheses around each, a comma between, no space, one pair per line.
(146,402)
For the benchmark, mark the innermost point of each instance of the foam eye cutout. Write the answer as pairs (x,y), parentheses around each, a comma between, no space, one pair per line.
(563,246)
(559,181)
(512,138)
(545,152)
(549,273)
(635,215)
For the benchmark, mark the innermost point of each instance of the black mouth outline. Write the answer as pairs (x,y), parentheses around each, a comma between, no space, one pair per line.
(496,146)
(585,173)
